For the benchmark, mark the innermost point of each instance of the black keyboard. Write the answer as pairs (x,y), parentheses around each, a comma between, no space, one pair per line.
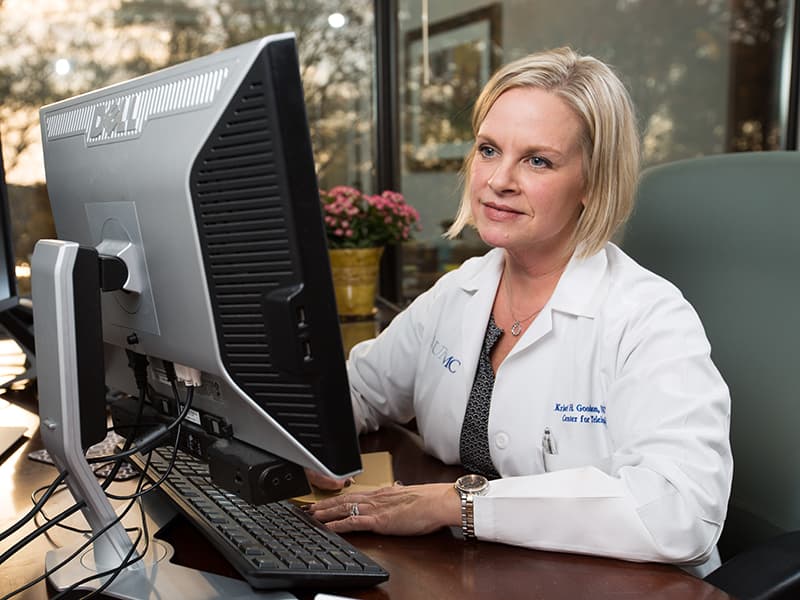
(273,546)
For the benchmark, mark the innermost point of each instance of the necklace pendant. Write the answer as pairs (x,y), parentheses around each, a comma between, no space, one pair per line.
(516,329)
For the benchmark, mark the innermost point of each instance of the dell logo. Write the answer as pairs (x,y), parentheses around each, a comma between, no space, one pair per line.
(114,117)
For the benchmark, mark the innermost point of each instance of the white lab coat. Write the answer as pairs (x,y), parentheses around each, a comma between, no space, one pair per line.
(617,366)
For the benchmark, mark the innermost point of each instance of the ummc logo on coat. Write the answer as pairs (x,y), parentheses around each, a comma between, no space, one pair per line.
(440,352)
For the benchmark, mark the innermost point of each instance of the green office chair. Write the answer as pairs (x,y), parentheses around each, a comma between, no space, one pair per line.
(726,230)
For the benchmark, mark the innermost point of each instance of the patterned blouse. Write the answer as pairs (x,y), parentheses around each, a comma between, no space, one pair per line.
(474,442)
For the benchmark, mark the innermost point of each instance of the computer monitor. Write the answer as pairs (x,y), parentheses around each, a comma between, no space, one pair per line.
(15,312)
(8,280)
(9,436)
(16,319)
(201,178)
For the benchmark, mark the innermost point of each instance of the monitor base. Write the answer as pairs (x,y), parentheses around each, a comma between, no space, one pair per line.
(154,576)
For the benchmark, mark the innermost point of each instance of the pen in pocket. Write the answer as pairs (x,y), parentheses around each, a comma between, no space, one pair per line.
(549,442)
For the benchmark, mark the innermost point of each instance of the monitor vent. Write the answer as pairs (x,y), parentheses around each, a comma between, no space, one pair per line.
(244,230)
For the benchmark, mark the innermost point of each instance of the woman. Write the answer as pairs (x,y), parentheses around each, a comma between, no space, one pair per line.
(578,382)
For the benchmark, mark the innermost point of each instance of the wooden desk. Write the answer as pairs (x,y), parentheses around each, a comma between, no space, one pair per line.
(436,566)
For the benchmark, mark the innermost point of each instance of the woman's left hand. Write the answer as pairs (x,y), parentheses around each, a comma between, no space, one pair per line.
(395,510)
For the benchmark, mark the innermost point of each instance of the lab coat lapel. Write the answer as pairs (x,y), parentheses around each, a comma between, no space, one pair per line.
(481,289)
(541,326)
(575,294)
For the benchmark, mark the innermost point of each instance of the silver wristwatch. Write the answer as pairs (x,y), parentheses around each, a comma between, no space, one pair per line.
(468,487)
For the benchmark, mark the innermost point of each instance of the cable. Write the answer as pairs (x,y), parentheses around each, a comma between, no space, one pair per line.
(144,445)
(138,364)
(112,474)
(155,484)
(136,497)
(174,455)
(40,530)
(53,488)
(47,518)
(127,561)
(114,573)
(36,507)
(67,559)
(151,440)
(86,544)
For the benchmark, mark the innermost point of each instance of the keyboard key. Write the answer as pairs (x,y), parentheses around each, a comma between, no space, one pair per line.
(262,562)
(330,563)
(343,558)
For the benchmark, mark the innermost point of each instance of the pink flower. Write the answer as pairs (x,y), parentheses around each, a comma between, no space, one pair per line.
(357,220)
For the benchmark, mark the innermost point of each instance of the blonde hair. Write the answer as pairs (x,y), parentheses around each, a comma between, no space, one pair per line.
(609,139)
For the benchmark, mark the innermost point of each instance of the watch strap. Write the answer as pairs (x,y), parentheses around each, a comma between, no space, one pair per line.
(468,487)
(467,516)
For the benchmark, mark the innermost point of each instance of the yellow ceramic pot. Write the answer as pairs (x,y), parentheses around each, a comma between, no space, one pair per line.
(355,279)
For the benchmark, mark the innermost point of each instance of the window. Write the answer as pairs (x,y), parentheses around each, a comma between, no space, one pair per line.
(707,76)
(57,49)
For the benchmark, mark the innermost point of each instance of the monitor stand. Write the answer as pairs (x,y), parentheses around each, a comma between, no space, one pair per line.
(153,576)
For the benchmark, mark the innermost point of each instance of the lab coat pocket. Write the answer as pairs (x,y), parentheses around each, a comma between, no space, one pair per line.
(570,460)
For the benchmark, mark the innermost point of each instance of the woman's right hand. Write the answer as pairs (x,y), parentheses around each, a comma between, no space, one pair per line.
(394,510)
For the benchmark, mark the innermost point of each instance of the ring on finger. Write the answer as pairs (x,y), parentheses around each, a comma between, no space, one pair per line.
(354,509)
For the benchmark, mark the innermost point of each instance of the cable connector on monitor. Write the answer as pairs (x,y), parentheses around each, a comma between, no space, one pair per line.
(189,376)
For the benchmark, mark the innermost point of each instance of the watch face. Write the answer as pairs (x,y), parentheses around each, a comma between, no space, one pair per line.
(473,484)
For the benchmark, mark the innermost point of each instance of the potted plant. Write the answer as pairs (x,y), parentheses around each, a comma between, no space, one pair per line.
(359,226)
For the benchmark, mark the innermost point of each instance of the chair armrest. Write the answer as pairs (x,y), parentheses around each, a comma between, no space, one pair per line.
(768,571)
